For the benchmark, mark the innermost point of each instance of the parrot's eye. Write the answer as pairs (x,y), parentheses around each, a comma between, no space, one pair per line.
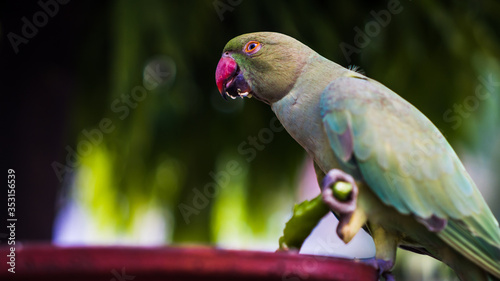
(252,47)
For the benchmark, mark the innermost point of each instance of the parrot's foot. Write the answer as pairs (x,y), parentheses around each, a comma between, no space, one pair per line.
(384,268)
(331,199)
(342,204)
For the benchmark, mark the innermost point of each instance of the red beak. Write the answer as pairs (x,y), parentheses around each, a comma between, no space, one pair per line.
(226,69)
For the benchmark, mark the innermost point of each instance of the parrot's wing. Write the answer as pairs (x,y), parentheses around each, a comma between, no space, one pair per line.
(409,165)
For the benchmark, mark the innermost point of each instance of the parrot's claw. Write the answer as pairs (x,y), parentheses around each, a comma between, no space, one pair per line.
(344,208)
(383,267)
(341,207)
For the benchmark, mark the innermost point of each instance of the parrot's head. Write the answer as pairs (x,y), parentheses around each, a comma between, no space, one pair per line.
(264,65)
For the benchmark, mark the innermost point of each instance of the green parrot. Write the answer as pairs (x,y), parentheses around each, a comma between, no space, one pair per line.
(410,189)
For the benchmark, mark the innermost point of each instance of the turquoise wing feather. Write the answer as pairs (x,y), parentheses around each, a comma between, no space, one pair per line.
(408,164)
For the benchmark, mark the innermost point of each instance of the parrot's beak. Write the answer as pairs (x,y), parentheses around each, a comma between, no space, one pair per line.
(230,80)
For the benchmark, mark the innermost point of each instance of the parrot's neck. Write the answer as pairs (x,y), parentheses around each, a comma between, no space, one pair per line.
(299,110)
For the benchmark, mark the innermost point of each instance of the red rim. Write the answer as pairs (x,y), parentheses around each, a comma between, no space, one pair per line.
(47,262)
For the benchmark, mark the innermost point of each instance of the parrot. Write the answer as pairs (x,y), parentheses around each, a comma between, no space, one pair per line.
(410,189)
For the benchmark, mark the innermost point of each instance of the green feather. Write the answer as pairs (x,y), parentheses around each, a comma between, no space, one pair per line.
(409,165)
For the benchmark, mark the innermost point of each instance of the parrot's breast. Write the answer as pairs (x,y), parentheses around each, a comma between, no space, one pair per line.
(300,116)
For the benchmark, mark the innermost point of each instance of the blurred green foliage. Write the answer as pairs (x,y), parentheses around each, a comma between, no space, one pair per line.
(167,144)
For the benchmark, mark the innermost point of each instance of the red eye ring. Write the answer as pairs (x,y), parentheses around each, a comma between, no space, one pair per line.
(252,47)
